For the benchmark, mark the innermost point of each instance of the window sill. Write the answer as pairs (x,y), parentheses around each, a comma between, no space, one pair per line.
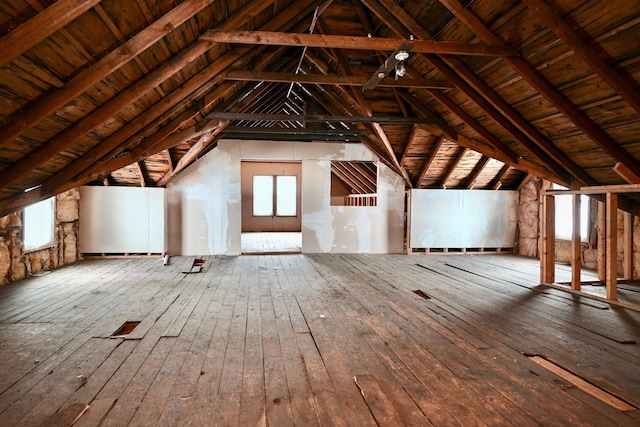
(38,249)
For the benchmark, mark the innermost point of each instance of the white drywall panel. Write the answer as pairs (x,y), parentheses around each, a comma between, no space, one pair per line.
(205,201)
(122,219)
(463,218)
(205,205)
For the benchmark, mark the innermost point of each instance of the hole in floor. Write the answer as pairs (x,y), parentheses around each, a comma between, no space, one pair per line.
(125,329)
(421,294)
(583,384)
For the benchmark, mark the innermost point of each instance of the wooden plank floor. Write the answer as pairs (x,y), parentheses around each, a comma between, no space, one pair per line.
(271,243)
(334,340)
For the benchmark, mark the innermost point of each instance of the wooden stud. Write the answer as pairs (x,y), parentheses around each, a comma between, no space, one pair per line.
(602,242)
(611,214)
(628,246)
(576,245)
(548,228)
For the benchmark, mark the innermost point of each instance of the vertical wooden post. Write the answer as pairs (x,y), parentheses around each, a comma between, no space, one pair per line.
(602,243)
(612,245)
(407,222)
(576,245)
(628,245)
(548,227)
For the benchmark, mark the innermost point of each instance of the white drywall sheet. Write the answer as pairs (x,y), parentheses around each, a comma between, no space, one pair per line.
(463,218)
(204,201)
(122,220)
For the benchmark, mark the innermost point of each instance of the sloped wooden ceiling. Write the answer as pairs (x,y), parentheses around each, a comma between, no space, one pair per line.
(130,92)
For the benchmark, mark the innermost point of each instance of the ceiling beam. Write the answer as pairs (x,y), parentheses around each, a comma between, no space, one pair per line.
(547,90)
(496,183)
(352,42)
(142,170)
(41,26)
(21,121)
(97,117)
(477,170)
(488,150)
(453,166)
(221,115)
(562,29)
(429,160)
(172,104)
(323,79)
(506,153)
(482,94)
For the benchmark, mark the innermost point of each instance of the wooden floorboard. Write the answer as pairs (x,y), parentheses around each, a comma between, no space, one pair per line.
(311,340)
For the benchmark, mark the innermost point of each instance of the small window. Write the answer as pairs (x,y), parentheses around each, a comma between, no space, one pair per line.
(275,190)
(38,225)
(354,183)
(564,215)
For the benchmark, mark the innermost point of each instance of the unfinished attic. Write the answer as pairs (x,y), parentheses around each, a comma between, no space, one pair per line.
(322,212)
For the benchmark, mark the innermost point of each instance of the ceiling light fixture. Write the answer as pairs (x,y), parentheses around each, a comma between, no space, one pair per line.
(402,55)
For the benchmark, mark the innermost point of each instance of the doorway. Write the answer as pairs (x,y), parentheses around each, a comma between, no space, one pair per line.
(271,207)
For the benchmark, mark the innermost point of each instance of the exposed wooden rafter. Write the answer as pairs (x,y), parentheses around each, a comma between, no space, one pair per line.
(546,89)
(333,80)
(581,47)
(41,26)
(351,42)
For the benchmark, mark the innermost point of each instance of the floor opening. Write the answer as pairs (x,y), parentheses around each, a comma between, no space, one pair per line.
(125,329)
(421,294)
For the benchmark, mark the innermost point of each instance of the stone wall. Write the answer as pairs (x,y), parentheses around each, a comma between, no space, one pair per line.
(16,265)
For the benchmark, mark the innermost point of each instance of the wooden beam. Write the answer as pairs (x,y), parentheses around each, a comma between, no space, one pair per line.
(446,102)
(562,29)
(611,279)
(407,147)
(221,115)
(142,170)
(628,246)
(477,170)
(40,27)
(323,79)
(24,120)
(602,241)
(576,245)
(429,160)
(486,149)
(205,142)
(184,94)
(478,91)
(353,42)
(496,182)
(626,173)
(548,228)
(453,166)
(547,90)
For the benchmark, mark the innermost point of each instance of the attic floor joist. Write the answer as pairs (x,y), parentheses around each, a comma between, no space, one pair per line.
(314,340)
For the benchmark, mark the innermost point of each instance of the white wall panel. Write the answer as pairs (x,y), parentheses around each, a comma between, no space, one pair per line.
(122,219)
(463,218)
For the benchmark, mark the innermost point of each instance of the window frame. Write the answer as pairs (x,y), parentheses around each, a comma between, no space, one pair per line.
(274,196)
(52,242)
(585,216)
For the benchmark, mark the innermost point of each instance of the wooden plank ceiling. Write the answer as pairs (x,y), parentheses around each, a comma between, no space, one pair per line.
(130,92)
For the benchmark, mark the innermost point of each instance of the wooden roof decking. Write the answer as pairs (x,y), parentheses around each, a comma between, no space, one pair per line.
(117,92)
